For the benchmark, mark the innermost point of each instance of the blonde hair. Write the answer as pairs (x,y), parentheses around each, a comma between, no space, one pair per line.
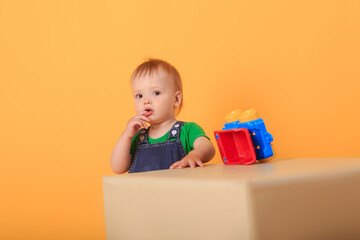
(150,65)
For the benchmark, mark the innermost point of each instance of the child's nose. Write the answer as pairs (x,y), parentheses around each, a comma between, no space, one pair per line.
(147,101)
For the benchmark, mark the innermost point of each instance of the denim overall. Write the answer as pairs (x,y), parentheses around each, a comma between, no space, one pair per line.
(157,156)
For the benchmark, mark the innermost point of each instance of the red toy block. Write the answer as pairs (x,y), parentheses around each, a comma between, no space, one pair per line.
(236,146)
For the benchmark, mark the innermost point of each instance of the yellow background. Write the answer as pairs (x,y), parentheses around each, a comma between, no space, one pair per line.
(65,94)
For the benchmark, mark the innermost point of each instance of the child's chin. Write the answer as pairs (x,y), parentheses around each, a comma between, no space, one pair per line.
(154,121)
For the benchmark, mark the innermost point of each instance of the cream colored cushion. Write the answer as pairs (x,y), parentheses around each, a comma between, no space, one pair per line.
(287,199)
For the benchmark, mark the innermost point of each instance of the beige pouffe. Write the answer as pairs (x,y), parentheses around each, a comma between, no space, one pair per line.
(284,199)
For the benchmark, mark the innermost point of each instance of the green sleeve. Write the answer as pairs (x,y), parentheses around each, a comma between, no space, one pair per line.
(189,133)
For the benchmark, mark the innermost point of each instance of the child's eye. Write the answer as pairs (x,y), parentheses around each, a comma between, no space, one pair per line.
(139,95)
(156,93)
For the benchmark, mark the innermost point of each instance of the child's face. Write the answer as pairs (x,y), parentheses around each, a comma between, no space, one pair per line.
(156,94)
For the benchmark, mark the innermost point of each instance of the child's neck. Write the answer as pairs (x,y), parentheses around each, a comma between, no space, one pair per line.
(159,129)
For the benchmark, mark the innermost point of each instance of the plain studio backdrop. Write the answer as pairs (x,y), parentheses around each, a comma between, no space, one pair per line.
(65,94)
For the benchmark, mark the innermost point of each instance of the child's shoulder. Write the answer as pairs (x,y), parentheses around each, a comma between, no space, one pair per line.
(192,127)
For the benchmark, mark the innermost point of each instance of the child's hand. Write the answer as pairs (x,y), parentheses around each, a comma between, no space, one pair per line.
(190,160)
(135,123)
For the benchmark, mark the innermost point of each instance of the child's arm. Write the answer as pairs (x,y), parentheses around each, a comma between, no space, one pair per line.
(121,157)
(203,152)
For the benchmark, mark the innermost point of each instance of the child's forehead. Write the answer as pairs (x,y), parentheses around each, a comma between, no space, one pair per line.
(155,78)
(151,74)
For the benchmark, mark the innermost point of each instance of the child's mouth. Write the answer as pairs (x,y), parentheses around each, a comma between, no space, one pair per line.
(148,112)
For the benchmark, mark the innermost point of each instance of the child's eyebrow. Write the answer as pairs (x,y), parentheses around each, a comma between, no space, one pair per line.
(136,90)
(157,88)
(136,93)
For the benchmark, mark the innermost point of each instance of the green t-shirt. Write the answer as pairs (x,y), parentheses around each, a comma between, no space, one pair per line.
(190,131)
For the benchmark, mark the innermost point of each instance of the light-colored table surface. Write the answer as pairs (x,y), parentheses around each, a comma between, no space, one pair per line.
(257,171)
(283,199)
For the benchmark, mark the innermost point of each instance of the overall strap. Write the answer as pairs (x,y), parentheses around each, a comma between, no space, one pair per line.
(175,130)
(142,137)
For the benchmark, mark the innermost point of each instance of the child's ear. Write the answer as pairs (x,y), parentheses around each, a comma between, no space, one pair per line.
(178,97)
